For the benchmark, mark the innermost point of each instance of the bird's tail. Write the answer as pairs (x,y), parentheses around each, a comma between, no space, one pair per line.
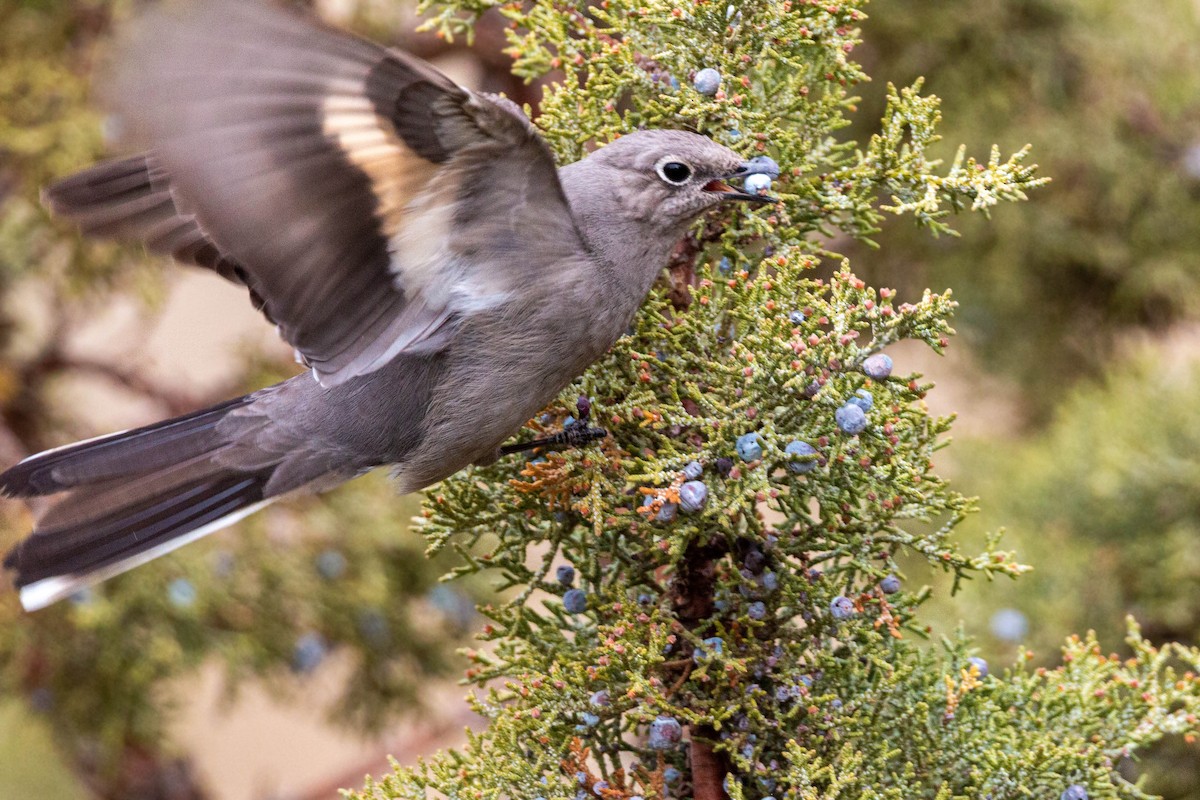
(120,500)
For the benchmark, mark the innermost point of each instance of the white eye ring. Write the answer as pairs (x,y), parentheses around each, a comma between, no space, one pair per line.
(674,170)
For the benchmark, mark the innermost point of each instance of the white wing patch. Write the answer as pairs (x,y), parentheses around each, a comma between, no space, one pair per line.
(370,143)
(425,261)
(417,205)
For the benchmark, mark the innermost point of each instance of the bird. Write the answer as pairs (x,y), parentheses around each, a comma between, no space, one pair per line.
(413,241)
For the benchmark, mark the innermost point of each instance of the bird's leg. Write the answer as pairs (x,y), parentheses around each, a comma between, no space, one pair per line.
(576,433)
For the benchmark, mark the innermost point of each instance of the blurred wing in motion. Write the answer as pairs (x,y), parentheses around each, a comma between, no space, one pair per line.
(367,201)
(131,199)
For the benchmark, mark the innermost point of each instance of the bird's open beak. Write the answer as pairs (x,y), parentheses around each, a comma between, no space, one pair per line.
(727,192)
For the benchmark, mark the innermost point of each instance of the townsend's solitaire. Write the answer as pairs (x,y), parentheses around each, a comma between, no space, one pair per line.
(412,240)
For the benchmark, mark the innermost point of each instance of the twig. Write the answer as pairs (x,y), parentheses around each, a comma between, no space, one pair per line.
(693,589)
(708,768)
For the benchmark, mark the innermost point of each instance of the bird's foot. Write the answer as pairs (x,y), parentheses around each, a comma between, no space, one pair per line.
(576,433)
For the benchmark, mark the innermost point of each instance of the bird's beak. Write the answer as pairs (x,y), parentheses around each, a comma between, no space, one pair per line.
(727,192)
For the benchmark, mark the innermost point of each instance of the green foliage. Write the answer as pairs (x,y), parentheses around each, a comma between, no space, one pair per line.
(1105,503)
(30,768)
(1109,93)
(1108,498)
(96,665)
(46,130)
(757,621)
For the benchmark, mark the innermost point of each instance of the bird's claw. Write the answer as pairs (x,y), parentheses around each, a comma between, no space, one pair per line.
(576,433)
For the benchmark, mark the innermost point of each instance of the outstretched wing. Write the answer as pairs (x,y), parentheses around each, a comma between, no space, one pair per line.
(367,200)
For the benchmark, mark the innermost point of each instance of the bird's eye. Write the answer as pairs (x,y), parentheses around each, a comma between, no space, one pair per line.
(675,172)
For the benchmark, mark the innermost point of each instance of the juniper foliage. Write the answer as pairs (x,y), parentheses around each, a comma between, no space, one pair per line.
(751,614)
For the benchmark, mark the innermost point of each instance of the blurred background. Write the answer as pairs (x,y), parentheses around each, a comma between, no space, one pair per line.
(287,657)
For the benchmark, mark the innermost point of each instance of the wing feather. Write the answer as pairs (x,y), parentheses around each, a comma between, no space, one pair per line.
(364,198)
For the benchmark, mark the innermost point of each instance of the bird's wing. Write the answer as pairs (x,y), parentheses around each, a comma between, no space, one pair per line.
(131,199)
(370,202)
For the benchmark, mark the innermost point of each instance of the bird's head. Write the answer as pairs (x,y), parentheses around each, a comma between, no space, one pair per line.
(674,176)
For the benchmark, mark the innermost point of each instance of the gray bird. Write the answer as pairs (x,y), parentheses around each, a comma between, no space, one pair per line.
(412,240)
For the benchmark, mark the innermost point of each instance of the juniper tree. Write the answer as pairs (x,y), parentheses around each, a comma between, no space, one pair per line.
(710,602)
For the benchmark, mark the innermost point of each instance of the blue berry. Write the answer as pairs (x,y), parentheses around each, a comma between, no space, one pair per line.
(707,81)
(84,597)
(1075,791)
(581,777)
(877,367)
(373,626)
(724,466)
(671,775)
(590,719)
(565,574)
(757,611)
(693,496)
(796,317)
(600,699)
(851,419)
(725,265)
(769,581)
(980,665)
(668,512)
(798,448)
(454,605)
(331,564)
(766,163)
(223,563)
(665,733)
(734,134)
(645,599)
(693,470)
(575,601)
(309,652)
(757,184)
(1009,624)
(889,585)
(710,648)
(842,608)
(863,399)
(748,447)
(181,593)
(599,787)
(41,699)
